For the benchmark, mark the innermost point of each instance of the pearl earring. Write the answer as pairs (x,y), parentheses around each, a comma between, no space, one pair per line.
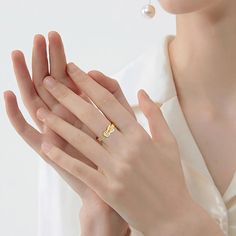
(149,10)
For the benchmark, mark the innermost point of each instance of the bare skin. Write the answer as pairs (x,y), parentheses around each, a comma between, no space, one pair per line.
(204,225)
(34,95)
(206,86)
(206,103)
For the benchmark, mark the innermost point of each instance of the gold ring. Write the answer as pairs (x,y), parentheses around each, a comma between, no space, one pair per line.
(109,130)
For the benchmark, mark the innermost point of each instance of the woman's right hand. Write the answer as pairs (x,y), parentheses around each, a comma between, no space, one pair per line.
(34,96)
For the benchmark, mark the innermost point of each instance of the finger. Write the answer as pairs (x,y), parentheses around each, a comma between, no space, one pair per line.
(31,136)
(78,139)
(28,93)
(84,111)
(26,131)
(40,69)
(157,123)
(22,127)
(57,57)
(30,97)
(22,74)
(113,87)
(39,72)
(102,98)
(78,169)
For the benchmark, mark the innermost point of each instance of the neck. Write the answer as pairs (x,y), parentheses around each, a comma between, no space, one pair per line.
(203,54)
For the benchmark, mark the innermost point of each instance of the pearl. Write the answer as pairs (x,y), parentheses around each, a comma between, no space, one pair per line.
(149,11)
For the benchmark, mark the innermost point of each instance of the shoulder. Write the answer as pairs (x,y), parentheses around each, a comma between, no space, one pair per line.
(149,70)
(133,74)
(135,66)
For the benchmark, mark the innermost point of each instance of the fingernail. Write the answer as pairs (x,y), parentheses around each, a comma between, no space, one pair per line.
(49,82)
(41,114)
(50,34)
(145,95)
(71,67)
(46,147)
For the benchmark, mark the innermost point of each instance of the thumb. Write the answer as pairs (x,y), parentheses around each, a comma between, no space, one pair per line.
(157,123)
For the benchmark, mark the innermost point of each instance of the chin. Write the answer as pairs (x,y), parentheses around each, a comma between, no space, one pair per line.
(186,6)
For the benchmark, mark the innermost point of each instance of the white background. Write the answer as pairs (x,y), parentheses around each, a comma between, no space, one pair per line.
(101,34)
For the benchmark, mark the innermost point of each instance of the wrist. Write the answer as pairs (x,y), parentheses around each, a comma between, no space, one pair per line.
(104,222)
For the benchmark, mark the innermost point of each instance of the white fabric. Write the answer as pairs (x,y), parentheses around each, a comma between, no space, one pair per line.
(59,206)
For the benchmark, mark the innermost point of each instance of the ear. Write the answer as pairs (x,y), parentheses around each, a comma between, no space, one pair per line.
(157,123)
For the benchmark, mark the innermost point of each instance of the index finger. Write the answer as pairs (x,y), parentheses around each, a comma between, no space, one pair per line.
(102,98)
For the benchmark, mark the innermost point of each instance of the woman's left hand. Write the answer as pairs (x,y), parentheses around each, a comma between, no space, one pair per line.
(141,177)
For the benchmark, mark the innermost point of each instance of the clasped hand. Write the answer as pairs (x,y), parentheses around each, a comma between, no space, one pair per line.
(140,176)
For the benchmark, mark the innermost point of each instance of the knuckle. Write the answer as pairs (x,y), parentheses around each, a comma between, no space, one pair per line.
(78,139)
(80,76)
(106,99)
(117,191)
(139,136)
(129,152)
(61,92)
(74,169)
(56,108)
(86,113)
(75,138)
(122,171)
(74,72)
(77,73)
(52,120)
(131,156)
(55,155)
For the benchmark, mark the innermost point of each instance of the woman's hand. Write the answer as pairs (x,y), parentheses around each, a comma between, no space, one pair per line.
(34,96)
(142,177)
(97,218)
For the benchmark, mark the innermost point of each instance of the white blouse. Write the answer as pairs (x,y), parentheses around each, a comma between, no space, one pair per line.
(59,206)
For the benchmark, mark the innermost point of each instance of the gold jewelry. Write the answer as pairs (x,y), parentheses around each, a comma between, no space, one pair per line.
(109,130)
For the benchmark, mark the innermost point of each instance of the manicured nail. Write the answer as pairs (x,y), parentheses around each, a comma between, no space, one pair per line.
(46,147)
(71,67)
(41,114)
(49,82)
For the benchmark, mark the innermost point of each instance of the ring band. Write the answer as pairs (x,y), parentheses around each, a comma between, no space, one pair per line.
(109,130)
